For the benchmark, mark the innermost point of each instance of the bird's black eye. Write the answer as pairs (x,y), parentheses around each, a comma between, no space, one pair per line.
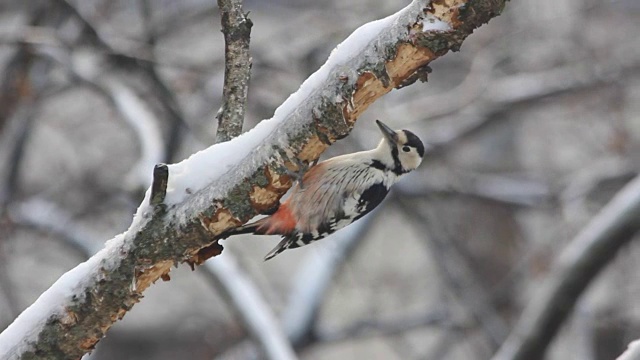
(406,149)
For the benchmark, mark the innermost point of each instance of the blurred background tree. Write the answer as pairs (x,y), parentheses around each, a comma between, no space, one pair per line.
(534,126)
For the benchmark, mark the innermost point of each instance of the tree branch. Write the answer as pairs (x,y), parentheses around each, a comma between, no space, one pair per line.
(227,184)
(144,61)
(591,250)
(236,27)
(464,283)
(251,307)
(313,281)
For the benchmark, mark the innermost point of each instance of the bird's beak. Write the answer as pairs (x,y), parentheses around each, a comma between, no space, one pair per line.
(388,132)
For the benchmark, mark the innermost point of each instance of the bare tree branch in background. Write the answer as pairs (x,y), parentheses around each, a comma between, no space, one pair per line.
(250,306)
(312,282)
(145,125)
(15,84)
(236,27)
(577,266)
(12,151)
(167,97)
(237,288)
(457,275)
(20,90)
(133,110)
(143,60)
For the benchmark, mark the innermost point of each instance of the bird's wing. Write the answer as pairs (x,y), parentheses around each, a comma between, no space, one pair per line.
(328,190)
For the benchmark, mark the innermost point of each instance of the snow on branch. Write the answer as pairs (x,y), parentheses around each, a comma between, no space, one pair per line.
(225,185)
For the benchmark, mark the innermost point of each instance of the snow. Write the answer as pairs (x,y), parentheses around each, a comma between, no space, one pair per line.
(432,23)
(16,338)
(196,172)
(351,47)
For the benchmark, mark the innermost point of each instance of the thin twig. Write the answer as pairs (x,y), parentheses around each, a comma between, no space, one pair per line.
(124,59)
(236,27)
(509,91)
(577,266)
(12,150)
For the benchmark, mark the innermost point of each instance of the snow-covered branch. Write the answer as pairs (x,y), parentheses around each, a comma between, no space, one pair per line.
(227,184)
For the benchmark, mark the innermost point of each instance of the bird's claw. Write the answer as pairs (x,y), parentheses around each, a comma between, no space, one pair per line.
(298,175)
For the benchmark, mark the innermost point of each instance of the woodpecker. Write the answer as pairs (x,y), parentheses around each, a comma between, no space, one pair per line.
(336,192)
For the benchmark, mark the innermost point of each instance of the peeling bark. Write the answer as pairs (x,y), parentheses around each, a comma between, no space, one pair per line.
(163,236)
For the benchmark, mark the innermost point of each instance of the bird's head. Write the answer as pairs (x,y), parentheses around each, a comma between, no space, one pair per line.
(401,151)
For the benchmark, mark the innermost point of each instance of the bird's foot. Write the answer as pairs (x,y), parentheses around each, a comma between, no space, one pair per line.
(298,175)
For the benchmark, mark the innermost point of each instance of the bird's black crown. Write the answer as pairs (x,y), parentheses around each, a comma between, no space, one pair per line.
(414,141)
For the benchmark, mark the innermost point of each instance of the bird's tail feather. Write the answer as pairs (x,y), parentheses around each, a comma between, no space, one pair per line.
(252,228)
(258,228)
(282,246)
